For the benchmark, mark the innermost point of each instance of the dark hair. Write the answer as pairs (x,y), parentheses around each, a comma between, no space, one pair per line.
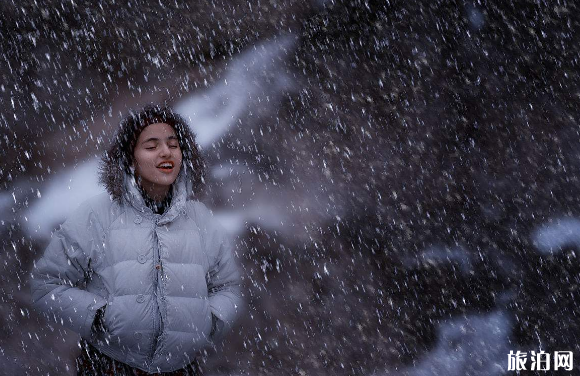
(117,160)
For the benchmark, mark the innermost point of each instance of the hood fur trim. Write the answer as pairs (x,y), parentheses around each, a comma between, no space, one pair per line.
(116,161)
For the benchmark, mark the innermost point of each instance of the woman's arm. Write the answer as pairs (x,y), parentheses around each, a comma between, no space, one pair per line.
(65,264)
(225,297)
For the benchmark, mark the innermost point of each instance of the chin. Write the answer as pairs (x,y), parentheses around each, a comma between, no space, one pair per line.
(167,181)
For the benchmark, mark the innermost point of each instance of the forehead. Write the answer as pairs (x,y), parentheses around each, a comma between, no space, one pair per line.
(157,130)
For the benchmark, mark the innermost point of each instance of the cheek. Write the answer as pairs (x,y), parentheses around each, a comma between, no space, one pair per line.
(141,161)
(136,158)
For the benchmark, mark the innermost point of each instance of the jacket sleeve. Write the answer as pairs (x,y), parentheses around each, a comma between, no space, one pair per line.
(66,264)
(225,297)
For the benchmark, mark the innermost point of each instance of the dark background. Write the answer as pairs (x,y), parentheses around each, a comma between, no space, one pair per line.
(419,158)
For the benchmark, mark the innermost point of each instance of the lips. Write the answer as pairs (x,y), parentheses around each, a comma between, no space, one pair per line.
(166,166)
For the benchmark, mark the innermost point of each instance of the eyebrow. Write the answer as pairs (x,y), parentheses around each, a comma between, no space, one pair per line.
(156,139)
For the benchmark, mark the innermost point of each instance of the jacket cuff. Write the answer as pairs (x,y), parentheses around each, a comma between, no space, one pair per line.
(217,328)
(95,304)
(224,308)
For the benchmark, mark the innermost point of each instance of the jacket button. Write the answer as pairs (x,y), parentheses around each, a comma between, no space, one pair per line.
(138,219)
(138,335)
(142,259)
(140,298)
(157,266)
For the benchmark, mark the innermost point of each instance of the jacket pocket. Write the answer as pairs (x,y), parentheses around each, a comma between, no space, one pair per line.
(121,313)
(127,322)
(208,322)
(107,318)
(186,281)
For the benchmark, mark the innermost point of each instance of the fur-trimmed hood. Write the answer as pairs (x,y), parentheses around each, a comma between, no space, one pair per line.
(117,160)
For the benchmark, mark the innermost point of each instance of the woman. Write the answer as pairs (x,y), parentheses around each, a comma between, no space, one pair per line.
(144,274)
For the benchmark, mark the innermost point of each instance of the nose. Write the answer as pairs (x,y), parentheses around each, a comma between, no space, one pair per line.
(165,151)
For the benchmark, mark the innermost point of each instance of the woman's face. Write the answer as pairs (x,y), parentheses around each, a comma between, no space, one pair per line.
(157,159)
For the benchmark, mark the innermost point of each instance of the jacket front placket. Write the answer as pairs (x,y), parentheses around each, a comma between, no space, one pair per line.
(134,198)
(158,291)
(161,221)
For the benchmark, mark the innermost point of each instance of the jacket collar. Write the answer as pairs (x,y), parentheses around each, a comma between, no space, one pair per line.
(133,197)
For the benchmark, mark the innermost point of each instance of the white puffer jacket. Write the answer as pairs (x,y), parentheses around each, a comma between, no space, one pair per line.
(160,276)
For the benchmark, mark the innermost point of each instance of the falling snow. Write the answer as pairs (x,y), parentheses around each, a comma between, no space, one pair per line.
(401,177)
